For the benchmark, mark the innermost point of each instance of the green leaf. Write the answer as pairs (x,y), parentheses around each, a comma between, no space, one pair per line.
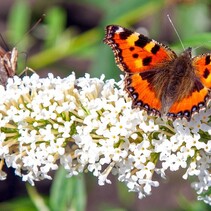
(56,21)
(36,198)
(129,12)
(74,45)
(191,19)
(67,193)
(187,205)
(18,23)
(127,199)
(18,204)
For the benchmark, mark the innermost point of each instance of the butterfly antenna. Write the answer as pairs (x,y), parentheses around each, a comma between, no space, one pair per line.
(33,27)
(168,16)
(3,42)
(199,46)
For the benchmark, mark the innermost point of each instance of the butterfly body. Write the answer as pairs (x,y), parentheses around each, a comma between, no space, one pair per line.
(8,64)
(156,78)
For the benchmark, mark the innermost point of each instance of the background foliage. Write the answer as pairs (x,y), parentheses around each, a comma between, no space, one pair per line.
(69,38)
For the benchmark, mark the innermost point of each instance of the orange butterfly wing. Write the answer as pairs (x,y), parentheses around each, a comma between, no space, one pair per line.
(142,95)
(135,53)
(200,96)
(202,67)
(189,105)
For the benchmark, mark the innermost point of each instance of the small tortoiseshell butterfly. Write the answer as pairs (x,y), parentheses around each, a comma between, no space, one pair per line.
(156,78)
(8,64)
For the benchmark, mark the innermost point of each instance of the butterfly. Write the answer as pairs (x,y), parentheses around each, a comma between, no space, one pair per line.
(8,64)
(158,80)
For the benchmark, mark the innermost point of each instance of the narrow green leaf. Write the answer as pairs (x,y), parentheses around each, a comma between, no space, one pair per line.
(18,204)
(36,198)
(79,197)
(186,204)
(18,23)
(64,49)
(67,193)
(56,21)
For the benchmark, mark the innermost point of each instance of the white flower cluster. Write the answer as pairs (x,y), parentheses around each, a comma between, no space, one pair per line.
(87,124)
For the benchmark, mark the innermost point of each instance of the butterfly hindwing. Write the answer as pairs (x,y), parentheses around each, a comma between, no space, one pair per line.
(143,97)
(190,104)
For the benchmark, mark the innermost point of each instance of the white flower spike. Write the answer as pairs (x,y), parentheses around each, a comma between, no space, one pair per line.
(87,124)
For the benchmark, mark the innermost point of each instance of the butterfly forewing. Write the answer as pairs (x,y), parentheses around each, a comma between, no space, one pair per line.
(135,52)
(202,67)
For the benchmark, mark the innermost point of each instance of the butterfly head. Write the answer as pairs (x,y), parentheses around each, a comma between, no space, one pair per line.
(188,52)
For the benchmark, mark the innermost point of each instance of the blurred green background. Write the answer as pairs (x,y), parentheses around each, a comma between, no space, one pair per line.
(69,38)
